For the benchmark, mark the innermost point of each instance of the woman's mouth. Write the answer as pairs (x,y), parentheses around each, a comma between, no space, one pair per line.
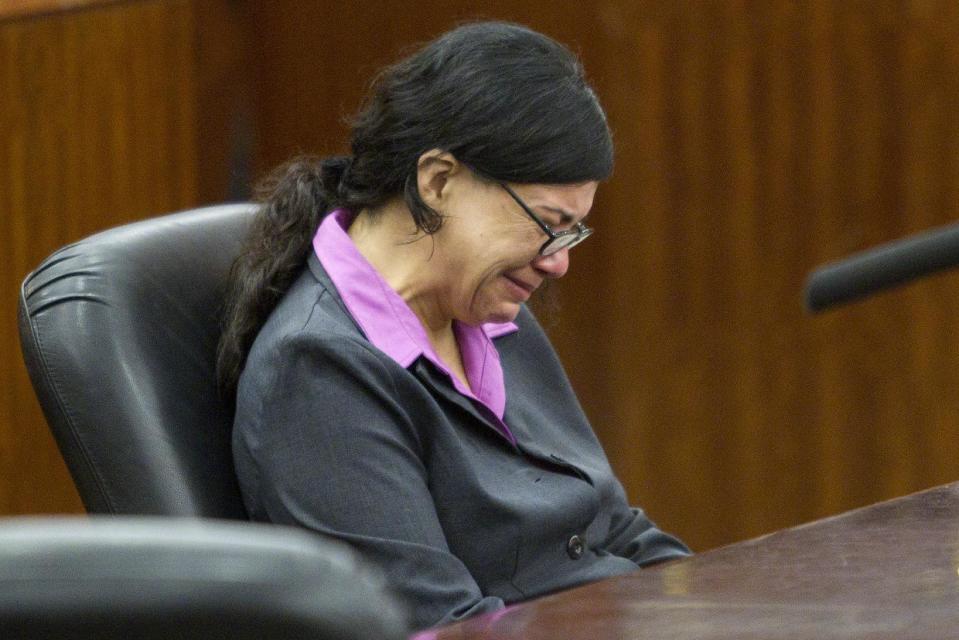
(521,290)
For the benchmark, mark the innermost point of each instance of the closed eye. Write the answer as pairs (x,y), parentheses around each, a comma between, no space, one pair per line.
(559,219)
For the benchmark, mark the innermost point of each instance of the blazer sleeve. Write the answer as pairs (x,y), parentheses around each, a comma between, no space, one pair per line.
(633,535)
(333,449)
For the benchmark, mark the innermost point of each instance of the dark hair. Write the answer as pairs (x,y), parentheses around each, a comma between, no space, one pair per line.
(510,103)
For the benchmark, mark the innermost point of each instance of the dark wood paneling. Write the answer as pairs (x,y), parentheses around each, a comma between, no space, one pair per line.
(757,140)
(98,127)
(314,61)
(225,114)
(21,9)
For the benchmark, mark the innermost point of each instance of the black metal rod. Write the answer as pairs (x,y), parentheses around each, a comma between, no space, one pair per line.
(883,267)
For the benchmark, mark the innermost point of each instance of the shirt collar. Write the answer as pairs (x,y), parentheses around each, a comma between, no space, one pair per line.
(386,319)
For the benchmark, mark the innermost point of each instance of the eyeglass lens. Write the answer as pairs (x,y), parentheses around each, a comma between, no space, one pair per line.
(566,241)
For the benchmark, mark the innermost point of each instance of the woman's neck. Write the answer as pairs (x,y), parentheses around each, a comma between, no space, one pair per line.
(407,260)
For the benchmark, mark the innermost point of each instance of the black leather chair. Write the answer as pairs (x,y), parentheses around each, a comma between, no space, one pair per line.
(122,578)
(119,333)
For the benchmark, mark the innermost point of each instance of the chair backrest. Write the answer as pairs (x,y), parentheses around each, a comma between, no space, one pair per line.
(119,335)
(113,578)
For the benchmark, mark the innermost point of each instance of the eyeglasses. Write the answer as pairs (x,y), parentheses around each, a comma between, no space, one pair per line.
(558,240)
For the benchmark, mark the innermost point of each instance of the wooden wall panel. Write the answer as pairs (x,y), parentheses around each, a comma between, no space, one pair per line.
(755,140)
(314,60)
(31,9)
(97,127)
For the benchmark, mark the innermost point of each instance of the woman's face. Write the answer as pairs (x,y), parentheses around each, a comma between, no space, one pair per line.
(488,247)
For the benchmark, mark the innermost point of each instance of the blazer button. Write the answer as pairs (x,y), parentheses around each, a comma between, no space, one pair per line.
(575,547)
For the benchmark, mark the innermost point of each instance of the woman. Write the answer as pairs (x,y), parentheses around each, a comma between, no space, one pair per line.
(392,389)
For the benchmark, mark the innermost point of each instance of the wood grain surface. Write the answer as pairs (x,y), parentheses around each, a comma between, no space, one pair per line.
(885,571)
(39,9)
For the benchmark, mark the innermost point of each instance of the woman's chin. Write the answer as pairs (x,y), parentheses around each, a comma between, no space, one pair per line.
(505,312)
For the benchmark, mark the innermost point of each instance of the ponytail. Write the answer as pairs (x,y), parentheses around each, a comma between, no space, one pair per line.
(294,199)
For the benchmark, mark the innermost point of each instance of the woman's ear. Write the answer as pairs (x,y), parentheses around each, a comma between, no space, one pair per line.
(434,169)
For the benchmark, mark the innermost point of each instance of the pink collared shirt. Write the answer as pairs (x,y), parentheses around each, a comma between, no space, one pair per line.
(392,327)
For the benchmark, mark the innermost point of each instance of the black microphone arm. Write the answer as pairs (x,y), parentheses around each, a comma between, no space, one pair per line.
(883,267)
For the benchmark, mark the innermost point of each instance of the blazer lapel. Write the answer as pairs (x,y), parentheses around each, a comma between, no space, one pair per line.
(440,385)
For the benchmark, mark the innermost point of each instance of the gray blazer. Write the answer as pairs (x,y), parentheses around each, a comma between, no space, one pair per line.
(333,435)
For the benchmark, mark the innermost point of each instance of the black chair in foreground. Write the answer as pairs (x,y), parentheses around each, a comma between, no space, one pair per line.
(121,578)
(119,334)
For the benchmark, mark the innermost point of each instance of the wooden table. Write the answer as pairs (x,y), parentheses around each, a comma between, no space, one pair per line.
(885,571)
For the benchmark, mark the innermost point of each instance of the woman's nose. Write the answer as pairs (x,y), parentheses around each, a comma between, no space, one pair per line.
(553,265)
